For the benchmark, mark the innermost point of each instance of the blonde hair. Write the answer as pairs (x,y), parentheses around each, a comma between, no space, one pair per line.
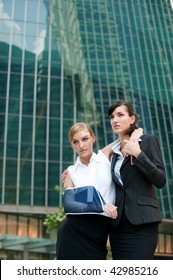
(77,127)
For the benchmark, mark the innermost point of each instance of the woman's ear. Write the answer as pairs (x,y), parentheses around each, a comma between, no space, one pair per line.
(133,119)
(94,138)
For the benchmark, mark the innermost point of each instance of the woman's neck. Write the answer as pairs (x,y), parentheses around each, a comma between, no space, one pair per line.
(85,160)
(122,138)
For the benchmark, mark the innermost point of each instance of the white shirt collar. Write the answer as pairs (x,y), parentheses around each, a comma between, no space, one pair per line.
(116,147)
(78,161)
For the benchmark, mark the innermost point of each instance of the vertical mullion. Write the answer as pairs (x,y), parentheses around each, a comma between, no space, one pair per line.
(34,113)
(97,64)
(112,37)
(116,34)
(102,35)
(165,63)
(142,66)
(118,51)
(124,36)
(134,56)
(48,117)
(127,54)
(7,107)
(162,108)
(21,106)
(89,66)
(61,125)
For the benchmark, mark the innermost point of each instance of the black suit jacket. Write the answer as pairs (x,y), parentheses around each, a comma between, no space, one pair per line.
(137,194)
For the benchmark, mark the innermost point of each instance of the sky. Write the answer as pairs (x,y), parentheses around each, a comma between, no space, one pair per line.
(34,39)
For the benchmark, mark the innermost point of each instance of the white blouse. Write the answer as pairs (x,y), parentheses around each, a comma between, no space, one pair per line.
(97,173)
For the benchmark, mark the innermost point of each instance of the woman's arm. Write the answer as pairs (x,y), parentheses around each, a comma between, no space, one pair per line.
(82,200)
(137,133)
(86,200)
(68,183)
(71,205)
(107,150)
(148,159)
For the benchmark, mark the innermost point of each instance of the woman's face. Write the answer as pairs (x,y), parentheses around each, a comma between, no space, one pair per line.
(120,120)
(82,143)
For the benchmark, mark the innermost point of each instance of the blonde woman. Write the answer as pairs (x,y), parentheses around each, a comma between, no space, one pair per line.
(83,236)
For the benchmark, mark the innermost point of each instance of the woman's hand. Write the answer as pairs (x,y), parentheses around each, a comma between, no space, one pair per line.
(111,210)
(136,134)
(63,176)
(132,148)
(66,180)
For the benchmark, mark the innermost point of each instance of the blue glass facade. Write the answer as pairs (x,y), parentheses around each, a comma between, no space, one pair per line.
(63,61)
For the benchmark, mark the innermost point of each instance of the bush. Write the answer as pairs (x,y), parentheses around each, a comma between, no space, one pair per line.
(53,221)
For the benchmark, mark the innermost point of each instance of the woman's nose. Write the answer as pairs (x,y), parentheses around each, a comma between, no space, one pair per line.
(81,144)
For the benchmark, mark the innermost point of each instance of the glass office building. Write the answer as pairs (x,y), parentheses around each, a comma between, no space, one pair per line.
(63,61)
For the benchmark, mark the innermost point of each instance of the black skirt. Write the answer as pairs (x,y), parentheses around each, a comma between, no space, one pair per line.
(83,237)
(133,242)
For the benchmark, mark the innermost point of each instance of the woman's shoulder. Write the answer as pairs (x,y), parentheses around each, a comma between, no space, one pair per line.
(101,157)
(70,168)
(148,137)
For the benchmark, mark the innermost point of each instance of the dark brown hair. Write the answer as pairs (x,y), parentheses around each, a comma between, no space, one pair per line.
(130,111)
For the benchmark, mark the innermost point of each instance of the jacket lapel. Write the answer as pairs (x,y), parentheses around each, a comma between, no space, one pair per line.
(112,171)
(125,161)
